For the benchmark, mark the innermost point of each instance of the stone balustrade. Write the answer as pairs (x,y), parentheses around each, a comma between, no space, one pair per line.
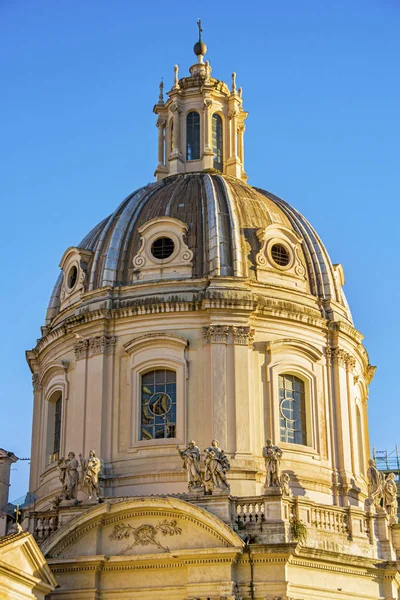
(44,524)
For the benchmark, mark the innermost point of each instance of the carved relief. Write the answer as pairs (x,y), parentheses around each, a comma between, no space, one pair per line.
(81,348)
(145,535)
(101,344)
(243,335)
(219,334)
(216,334)
(338,356)
(35,383)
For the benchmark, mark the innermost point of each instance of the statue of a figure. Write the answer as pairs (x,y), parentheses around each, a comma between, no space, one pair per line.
(376,482)
(216,466)
(284,481)
(69,477)
(390,497)
(272,455)
(90,474)
(191,462)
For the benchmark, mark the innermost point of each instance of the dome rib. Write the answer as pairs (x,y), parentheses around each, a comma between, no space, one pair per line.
(223,215)
(235,229)
(113,250)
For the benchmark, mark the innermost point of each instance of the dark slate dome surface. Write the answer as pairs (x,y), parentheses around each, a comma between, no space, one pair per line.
(211,204)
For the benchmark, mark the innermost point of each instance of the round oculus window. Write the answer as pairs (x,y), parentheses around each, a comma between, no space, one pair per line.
(72,277)
(280,255)
(162,248)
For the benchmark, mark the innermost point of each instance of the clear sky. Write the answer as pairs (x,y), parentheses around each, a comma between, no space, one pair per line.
(79,80)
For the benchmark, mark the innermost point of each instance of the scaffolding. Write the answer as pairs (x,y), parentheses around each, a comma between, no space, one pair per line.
(388,462)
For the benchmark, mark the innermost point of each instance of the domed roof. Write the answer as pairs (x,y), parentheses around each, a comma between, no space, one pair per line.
(223,215)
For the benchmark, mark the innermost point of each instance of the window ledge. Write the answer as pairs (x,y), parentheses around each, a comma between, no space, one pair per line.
(300,449)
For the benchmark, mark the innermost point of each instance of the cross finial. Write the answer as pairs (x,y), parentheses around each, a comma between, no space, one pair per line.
(200,29)
(17,513)
(161,97)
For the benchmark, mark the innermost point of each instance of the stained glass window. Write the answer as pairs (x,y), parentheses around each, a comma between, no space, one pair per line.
(217,141)
(158,405)
(292,406)
(193,136)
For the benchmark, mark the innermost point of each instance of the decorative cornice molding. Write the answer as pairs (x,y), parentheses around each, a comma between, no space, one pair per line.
(219,334)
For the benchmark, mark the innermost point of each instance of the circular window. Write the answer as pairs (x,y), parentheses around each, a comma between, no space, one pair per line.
(162,248)
(280,255)
(72,277)
(159,404)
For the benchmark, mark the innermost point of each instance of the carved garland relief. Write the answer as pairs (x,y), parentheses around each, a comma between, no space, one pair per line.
(145,535)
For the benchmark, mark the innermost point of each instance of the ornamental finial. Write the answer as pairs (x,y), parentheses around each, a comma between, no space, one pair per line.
(161,96)
(176,77)
(234,82)
(200,48)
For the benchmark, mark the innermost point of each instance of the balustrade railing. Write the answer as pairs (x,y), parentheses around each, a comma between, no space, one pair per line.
(44,525)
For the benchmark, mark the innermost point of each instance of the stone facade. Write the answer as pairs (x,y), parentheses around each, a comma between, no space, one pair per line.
(204,309)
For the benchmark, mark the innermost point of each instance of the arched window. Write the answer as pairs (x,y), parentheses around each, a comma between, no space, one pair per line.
(217,141)
(172,135)
(158,404)
(292,409)
(193,136)
(54,413)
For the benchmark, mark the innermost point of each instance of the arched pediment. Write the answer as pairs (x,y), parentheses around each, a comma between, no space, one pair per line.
(291,345)
(140,526)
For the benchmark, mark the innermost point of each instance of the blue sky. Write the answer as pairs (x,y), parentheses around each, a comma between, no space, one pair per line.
(79,81)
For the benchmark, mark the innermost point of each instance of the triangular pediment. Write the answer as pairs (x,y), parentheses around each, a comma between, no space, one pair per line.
(21,557)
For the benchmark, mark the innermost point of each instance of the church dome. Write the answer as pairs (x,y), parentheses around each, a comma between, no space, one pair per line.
(225,220)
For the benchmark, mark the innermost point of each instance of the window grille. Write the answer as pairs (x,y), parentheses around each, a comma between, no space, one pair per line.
(158,405)
(193,136)
(217,142)
(292,407)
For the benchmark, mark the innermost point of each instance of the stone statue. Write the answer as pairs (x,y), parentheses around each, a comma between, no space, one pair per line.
(272,455)
(191,462)
(176,77)
(284,481)
(90,474)
(376,481)
(216,466)
(390,497)
(69,477)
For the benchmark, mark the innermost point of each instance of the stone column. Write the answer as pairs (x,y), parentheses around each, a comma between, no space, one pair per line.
(176,111)
(208,154)
(36,459)
(342,425)
(217,337)
(6,460)
(242,337)
(161,127)
(241,131)
(98,423)
(234,127)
